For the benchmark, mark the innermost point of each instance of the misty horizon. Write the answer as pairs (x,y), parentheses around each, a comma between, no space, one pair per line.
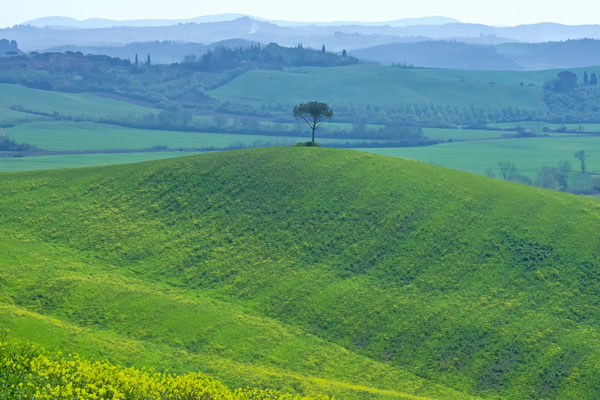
(509,13)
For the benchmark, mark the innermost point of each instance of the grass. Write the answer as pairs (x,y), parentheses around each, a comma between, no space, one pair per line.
(72,104)
(11,164)
(530,154)
(65,135)
(311,270)
(380,85)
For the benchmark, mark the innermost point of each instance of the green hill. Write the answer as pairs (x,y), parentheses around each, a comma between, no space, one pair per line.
(309,270)
(384,86)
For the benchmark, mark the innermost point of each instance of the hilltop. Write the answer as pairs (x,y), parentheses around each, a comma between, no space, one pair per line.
(311,270)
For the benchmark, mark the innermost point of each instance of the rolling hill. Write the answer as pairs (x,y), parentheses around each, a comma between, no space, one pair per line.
(315,271)
(385,86)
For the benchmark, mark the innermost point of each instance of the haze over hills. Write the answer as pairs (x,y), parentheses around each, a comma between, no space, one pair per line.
(335,36)
(505,56)
(65,22)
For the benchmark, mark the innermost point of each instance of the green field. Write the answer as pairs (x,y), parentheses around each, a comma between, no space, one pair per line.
(309,270)
(64,135)
(10,164)
(72,104)
(463,134)
(530,154)
(380,85)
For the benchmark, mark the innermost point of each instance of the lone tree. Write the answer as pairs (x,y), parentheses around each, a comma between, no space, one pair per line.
(313,113)
(581,156)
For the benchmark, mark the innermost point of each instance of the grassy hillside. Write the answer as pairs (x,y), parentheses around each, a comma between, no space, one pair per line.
(311,270)
(378,85)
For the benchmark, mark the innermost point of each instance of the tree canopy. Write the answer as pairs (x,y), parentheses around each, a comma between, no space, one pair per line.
(313,113)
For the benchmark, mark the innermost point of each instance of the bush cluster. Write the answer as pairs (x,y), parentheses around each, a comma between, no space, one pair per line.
(29,372)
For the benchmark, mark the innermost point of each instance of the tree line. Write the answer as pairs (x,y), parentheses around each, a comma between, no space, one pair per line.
(271,56)
(559,177)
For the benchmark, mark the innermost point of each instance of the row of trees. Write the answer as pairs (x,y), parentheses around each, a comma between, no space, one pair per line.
(556,178)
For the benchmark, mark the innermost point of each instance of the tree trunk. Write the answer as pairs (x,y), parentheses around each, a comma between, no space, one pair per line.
(313,134)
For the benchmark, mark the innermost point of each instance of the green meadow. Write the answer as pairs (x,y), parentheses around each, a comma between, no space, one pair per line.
(446,134)
(529,154)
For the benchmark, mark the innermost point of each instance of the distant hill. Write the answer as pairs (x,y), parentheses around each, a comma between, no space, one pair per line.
(335,36)
(317,270)
(94,23)
(566,54)
(65,22)
(506,56)
(439,54)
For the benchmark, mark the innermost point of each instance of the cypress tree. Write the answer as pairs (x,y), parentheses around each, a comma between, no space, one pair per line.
(585,78)
(593,79)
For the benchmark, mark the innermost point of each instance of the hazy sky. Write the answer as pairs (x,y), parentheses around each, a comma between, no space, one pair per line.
(493,12)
